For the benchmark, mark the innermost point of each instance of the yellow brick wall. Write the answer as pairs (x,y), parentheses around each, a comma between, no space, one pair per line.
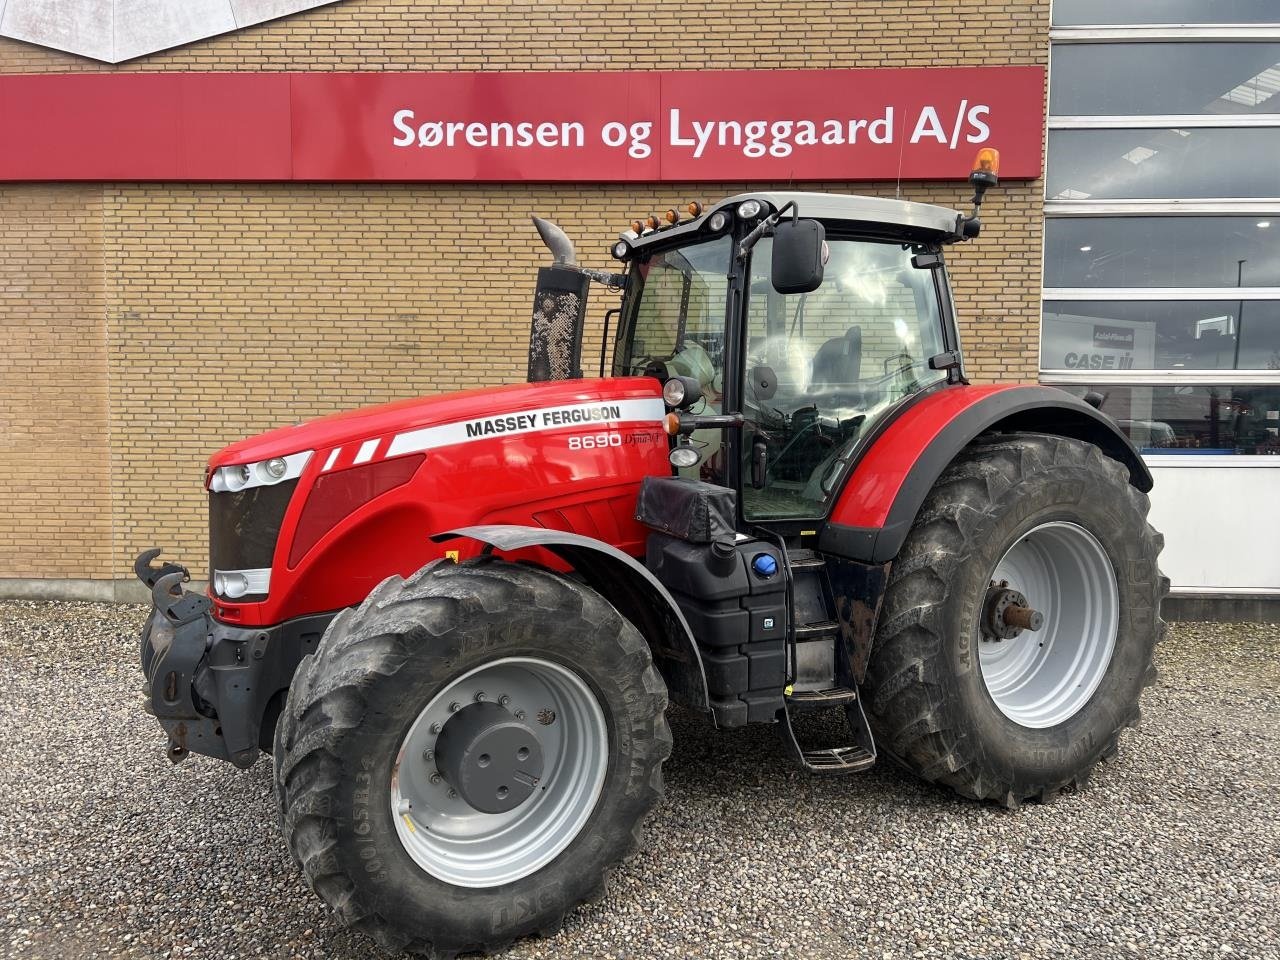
(165,320)
(54,516)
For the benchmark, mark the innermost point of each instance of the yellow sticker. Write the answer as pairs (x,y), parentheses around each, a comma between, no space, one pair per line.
(452,555)
(787,690)
(808,533)
(408,823)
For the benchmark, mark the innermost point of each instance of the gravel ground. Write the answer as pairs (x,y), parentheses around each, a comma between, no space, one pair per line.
(106,850)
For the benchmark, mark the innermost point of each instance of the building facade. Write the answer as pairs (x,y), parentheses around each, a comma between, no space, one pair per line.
(147,324)
(147,321)
(1162,263)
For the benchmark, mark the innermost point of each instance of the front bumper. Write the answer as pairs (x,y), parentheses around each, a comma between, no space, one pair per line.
(215,688)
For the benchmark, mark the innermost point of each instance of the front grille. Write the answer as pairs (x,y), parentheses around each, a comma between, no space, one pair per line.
(244,526)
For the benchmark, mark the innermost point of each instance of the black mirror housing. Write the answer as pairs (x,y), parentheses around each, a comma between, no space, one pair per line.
(797,256)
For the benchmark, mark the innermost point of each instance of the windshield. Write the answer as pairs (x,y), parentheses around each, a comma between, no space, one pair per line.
(823,367)
(678,320)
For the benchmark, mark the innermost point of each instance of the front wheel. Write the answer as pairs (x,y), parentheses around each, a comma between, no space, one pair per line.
(1019,622)
(467,755)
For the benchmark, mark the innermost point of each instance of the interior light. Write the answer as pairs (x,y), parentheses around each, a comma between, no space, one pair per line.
(1263,224)
(1085,249)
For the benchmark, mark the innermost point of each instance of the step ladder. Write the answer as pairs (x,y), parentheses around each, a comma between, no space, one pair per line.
(817,643)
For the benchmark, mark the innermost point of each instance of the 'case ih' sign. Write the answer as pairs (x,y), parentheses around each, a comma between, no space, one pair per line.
(911,124)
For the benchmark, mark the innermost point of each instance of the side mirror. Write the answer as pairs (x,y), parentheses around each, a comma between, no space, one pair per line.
(797,256)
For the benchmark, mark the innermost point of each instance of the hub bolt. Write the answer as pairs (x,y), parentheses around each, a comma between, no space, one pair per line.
(436,778)
(453,707)
(503,700)
(519,714)
(428,754)
(479,696)
(436,728)
(453,794)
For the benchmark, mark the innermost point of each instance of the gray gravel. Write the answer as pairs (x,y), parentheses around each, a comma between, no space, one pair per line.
(106,850)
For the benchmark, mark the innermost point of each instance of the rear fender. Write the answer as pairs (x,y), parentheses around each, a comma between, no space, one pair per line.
(883,495)
(628,585)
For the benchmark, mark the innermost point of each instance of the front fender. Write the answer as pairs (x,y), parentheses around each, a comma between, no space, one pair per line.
(628,585)
(883,495)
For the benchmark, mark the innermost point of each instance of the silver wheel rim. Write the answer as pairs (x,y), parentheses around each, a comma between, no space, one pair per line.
(456,843)
(1043,678)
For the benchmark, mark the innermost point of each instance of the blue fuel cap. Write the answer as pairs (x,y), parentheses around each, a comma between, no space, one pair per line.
(764,565)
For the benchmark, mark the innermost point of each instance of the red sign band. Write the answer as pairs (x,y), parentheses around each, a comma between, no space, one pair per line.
(910,124)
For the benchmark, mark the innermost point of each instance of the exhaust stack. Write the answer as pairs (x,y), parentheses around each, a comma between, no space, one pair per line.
(559,310)
(557,242)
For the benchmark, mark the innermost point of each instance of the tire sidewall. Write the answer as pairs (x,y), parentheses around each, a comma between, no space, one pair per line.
(369,850)
(1029,758)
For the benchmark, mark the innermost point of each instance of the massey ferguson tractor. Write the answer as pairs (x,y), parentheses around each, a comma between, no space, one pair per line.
(456,622)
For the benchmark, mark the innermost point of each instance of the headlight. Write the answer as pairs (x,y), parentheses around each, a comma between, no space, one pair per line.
(749,208)
(263,473)
(683,457)
(717,221)
(231,585)
(621,249)
(681,392)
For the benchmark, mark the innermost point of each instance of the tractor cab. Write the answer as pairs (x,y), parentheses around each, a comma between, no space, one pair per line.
(776,390)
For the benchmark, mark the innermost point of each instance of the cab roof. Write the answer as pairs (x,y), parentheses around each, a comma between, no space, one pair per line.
(917,222)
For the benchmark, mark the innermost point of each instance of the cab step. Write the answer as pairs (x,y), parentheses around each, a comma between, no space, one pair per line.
(799,559)
(833,697)
(822,628)
(830,761)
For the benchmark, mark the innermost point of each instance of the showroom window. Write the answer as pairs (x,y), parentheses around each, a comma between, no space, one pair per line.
(1162,220)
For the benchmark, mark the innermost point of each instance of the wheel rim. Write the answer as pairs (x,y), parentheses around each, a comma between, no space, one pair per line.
(456,843)
(1043,678)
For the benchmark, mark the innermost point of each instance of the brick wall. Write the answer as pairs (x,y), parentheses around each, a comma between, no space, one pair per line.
(148,324)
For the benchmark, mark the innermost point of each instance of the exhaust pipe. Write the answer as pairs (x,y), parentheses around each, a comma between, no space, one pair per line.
(557,242)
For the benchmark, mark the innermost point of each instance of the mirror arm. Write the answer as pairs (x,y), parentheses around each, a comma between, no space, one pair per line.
(764,226)
(726,421)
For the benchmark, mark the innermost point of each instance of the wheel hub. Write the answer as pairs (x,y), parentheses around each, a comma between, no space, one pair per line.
(441,794)
(1006,613)
(492,759)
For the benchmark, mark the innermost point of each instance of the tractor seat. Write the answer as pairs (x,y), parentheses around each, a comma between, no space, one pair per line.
(839,360)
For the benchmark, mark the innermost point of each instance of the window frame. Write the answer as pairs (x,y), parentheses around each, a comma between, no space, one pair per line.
(1171,206)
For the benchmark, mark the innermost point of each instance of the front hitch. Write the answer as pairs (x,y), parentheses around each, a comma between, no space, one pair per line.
(200,703)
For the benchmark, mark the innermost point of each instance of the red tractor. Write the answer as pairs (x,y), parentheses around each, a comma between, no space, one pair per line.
(456,622)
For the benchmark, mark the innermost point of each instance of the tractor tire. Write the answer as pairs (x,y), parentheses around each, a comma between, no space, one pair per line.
(1010,719)
(386,840)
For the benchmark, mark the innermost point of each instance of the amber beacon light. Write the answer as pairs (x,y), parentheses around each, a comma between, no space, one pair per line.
(986,168)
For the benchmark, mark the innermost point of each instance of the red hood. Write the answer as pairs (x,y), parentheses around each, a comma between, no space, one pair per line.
(401,415)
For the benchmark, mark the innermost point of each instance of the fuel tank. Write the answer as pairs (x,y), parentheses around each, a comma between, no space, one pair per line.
(378,483)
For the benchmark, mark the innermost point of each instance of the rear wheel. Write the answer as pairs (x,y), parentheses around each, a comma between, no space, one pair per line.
(1019,622)
(467,756)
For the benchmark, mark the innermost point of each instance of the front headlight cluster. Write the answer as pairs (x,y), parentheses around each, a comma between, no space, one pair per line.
(264,473)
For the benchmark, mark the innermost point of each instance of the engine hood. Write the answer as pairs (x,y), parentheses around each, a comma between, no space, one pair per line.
(486,407)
